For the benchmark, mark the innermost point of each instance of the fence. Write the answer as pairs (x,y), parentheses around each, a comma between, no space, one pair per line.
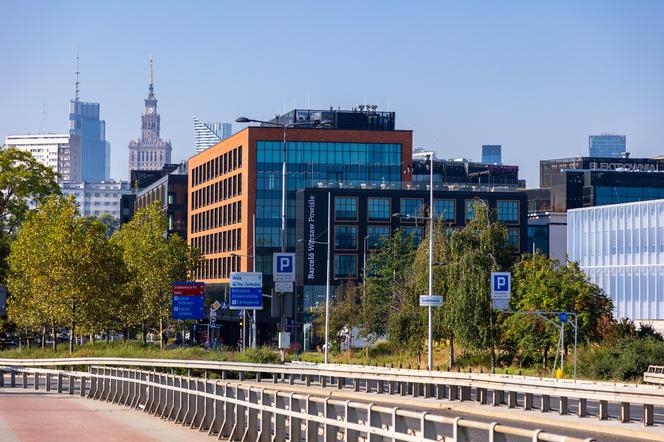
(514,391)
(236,412)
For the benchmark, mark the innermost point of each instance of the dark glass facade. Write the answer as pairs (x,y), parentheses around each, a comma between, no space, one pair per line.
(491,153)
(449,172)
(607,146)
(95,150)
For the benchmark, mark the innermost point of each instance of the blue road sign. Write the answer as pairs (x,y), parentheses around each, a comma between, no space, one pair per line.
(501,283)
(246,290)
(563,316)
(283,267)
(188,307)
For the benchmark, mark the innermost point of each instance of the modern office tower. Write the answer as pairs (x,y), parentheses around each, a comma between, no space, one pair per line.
(491,154)
(96,199)
(95,150)
(61,152)
(209,134)
(607,145)
(621,249)
(150,152)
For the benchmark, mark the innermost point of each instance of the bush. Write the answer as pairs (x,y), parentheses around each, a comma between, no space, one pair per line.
(382,348)
(261,355)
(627,359)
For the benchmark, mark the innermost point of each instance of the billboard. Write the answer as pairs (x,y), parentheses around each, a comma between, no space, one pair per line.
(188,301)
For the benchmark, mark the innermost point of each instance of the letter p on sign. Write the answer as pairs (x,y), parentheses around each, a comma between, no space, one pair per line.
(283,268)
(501,283)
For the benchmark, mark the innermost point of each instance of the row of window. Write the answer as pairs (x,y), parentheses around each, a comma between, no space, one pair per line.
(218,217)
(304,152)
(219,242)
(217,268)
(219,191)
(231,160)
(378,209)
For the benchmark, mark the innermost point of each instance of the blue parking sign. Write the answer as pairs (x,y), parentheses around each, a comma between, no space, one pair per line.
(501,283)
(283,267)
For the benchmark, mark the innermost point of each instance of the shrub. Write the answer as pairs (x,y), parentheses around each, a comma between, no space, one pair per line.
(261,355)
(627,359)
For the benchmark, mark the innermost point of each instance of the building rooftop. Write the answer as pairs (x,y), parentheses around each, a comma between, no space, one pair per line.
(360,118)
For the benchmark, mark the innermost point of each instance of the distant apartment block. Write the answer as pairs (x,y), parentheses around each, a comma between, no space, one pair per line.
(96,199)
(60,152)
(208,134)
(491,154)
(607,145)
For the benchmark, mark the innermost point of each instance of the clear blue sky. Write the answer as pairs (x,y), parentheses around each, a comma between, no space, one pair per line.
(536,77)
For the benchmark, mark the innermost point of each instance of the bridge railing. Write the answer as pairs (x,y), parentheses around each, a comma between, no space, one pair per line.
(233,411)
(511,390)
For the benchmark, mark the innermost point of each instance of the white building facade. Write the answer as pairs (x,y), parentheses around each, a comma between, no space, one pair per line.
(96,199)
(60,152)
(621,249)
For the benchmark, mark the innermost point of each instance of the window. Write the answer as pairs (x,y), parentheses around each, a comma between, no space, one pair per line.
(508,211)
(470,208)
(345,208)
(513,237)
(414,233)
(345,237)
(345,266)
(445,209)
(379,209)
(377,234)
(171,198)
(411,208)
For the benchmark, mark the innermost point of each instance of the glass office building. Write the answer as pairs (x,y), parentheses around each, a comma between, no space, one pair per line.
(95,150)
(491,154)
(607,145)
(621,249)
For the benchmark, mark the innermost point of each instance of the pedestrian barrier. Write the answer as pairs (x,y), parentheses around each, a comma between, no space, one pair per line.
(513,391)
(654,375)
(232,411)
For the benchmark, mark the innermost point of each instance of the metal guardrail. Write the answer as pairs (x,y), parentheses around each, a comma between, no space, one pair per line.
(454,386)
(654,375)
(236,412)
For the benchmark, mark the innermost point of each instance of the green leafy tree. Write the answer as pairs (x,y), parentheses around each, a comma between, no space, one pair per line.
(154,261)
(61,268)
(344,316)
(22,178)
(476,250)
(542,284)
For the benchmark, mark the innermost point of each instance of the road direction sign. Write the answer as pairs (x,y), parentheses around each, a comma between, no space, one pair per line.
(188,300)
(283,266)
(431,301)
(563,317)
(246,290)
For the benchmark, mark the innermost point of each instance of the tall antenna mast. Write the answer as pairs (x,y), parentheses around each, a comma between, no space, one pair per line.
(150,77)
(76,90)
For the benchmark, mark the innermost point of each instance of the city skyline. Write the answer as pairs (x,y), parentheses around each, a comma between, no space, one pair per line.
(538,79)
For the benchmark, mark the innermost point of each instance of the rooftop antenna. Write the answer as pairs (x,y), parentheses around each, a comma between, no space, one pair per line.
(76,89)
(150,77)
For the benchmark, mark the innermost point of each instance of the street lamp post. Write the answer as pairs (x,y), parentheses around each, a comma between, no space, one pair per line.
(283,183)
(430,312)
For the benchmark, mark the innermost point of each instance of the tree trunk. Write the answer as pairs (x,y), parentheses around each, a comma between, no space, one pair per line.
(55,337)
(145,338)
(451,351)
(43,337)
(161,333)
(72,334)
(108,336)
(546,355)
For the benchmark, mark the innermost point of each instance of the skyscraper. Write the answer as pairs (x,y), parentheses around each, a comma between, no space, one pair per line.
(150,152)
(491,154)
(209,134)
(607,145)
(95,150)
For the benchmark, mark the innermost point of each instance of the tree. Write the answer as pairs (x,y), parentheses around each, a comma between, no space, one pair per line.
(154,261)
(542,284)
(22,179)
(476,250)
(112,224)
(62,268)
(387,273)
(344,316)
